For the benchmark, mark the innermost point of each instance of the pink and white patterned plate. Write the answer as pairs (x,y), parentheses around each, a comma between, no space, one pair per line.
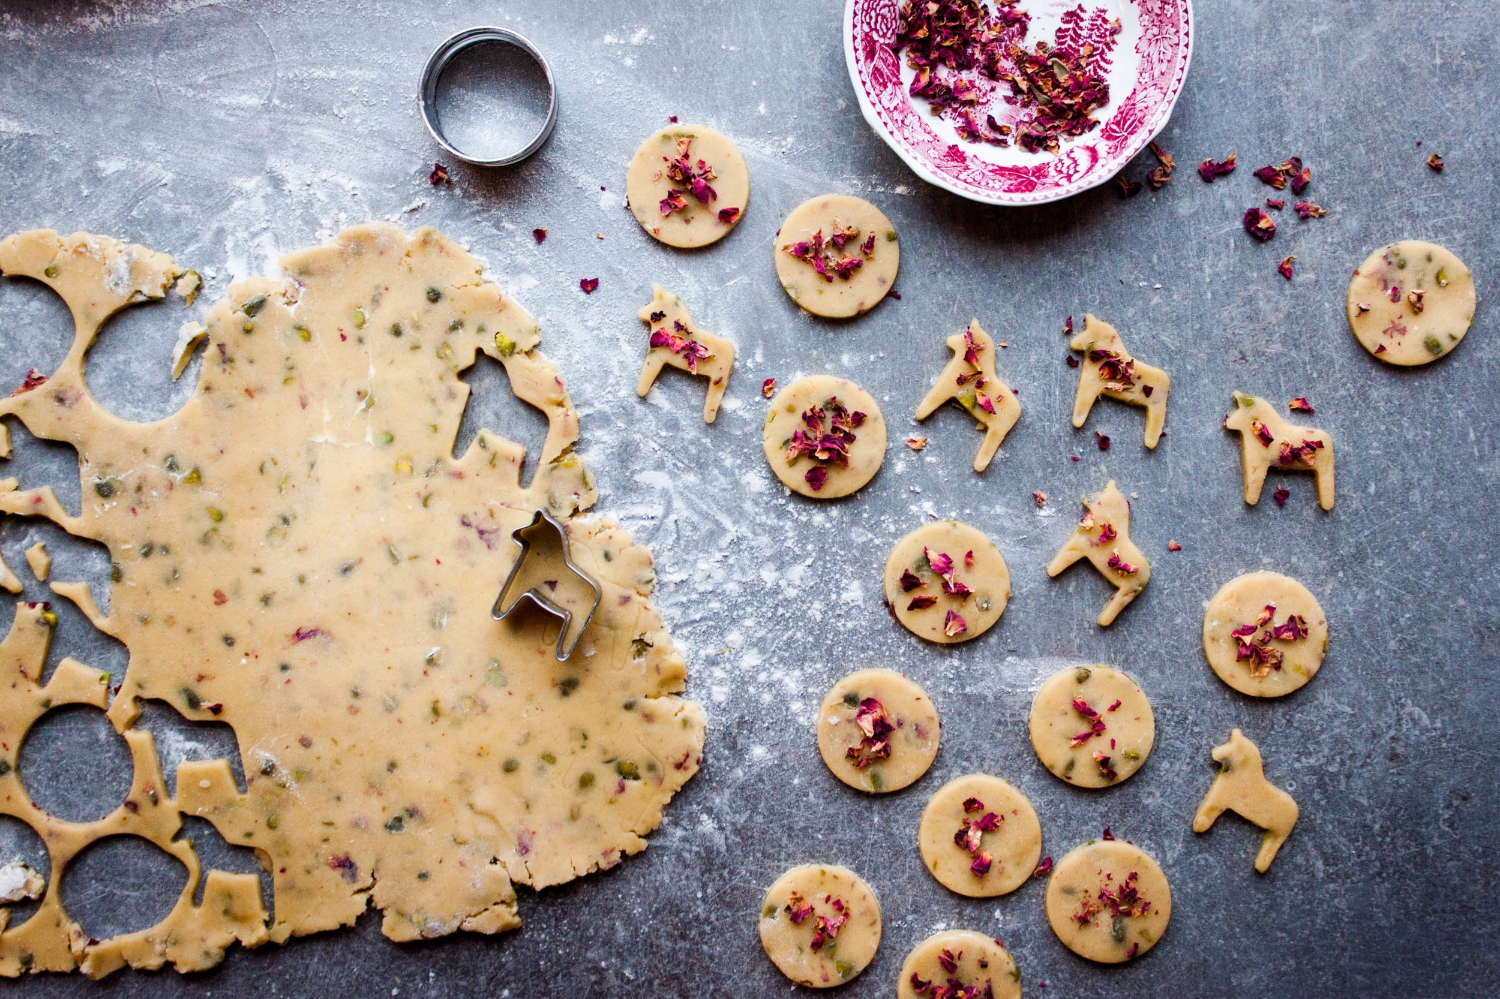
(1150,62)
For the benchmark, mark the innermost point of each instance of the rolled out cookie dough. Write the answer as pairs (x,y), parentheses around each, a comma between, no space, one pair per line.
(1411,302)
(1092,726)
(1108,901)
(979,836)
(946,582)
(877,730)
(837,255)
(698,176)
(1282,634)
(820,924)
(824,437)
(959,960)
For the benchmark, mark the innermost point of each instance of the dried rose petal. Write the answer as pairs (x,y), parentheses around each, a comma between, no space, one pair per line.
(1262,433)
(729,216)
(798,907)
(922,603)
(1068,327)
(1436,162)
(816,477)
(1173,546)
(916,443)
(982,864)
(439,175)
(1271,175)
(910,581)
(34,378)
(942,562)
(1275,203)
(1208,169)
(1285,267)
(1281,495)
(1301,405)
(969,557)
(973,805)
(768,387)
(1128,188)
(1120,565)
(1043,867)
(1039,498)
(1259,224)
(1308,210)
(540,235)
(954,625)
(589,285)
(919,984)
(1108,836)
(1103,440)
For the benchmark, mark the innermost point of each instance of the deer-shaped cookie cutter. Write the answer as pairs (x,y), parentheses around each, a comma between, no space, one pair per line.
(542,583)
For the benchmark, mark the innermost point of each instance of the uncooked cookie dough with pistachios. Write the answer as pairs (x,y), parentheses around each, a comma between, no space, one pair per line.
(1411,302)
(688,185)
(979,836)
(965,964)
(837,255)
(1092,726)
(824,437)
(877,730)
(946,582)
(820,924)
(1108,901)
(1264,634)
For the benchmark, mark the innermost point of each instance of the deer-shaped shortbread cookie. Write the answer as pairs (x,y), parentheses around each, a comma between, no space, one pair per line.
(970,380)
(1103,537)
(1241,786)
(1108,369)
(1267,441)
(676,341)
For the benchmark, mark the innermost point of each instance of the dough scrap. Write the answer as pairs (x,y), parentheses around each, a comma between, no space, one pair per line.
(1092,726)
(970,381)
(298,553)
(698,175)
(1241,786)
(959,960)
(1268,441)
(1108,369)
(1282,634)
(820,924)
(979,836)
(1411,302)
(824,437)
(1108,901)
(830,271)
(39,561)
(878,731)
(1103,537)
(946,582)
(675,340)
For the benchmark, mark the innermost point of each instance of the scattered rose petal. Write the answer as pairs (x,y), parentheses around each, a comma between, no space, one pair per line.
(1103,440)
(816,477)
(1042,868)
(1120,565)
(1259,224)
(768,387)
(910,581)
(981,865)
(1301,405)
(1068,327)
(439,175)
(1275,203)
(1285,267)
(1281,495)
(916,443)
(1108,836)
(1039,498)
(729,216)
(1308,210)
(1436,162)
(1271,175)
(954,625)
(1173,546)
(1208,169)
(1072,361)
(589,285)
(672,119)
(922,603)
(1128,188)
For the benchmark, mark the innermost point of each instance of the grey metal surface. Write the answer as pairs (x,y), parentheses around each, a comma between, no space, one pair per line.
(226,133)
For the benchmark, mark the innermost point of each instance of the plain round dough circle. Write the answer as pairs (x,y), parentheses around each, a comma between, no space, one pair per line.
(1083,873)
(789,944)
(1129,729)
(785,416)
(968,949)
(914,744)
(1015,846)
(1241,601)
(838,299)
(646,184)
(988,577)
(1447,309)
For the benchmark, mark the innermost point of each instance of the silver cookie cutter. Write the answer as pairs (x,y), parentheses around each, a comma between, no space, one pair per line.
(445,54)
(544,521)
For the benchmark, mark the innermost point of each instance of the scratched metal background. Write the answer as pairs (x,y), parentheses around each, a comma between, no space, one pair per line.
(226,133)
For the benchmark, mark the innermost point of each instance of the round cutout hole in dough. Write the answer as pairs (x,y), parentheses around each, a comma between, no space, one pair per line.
(824,437)
(1411,302)
(878,731)
(688,185)
(979,836)
(820,924)
(1091,726)
(947,582)
(837,255)
(1264,634)
(1108,901)
(971,959)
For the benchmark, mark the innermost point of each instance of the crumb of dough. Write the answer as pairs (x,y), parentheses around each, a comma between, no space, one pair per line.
(1241,786)
(39,560)
(188,286)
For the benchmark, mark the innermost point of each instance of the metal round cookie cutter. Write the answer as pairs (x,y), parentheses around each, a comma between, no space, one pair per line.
(497,92)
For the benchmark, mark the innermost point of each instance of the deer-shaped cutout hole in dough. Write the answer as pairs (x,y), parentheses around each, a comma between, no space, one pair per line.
(676,341)
(1103,537)
(970,381)
(1108,369)
(1241,787)
(1267,441)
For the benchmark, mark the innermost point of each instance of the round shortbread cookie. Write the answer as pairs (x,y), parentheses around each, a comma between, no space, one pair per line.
(877,730)
(946,582)
(688,185)
(824,437)
(837,255)
(1411,302)
(1264,634)
(1108,901)
(820,924)
(972,960)
(1091,726)
(979,836)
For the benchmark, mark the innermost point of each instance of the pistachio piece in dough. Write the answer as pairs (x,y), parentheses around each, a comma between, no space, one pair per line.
(1267,441)
(837,255)
(1411,302)
(1108,369)
(676,341)
(1092,726)
(970,380)
(1103,537)
(946,582)
(972,960)
(1264,634)
(820,924)
(1108,901)
(877,730)
(980,837)
(824,437)
(688,185)
(1241,786)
